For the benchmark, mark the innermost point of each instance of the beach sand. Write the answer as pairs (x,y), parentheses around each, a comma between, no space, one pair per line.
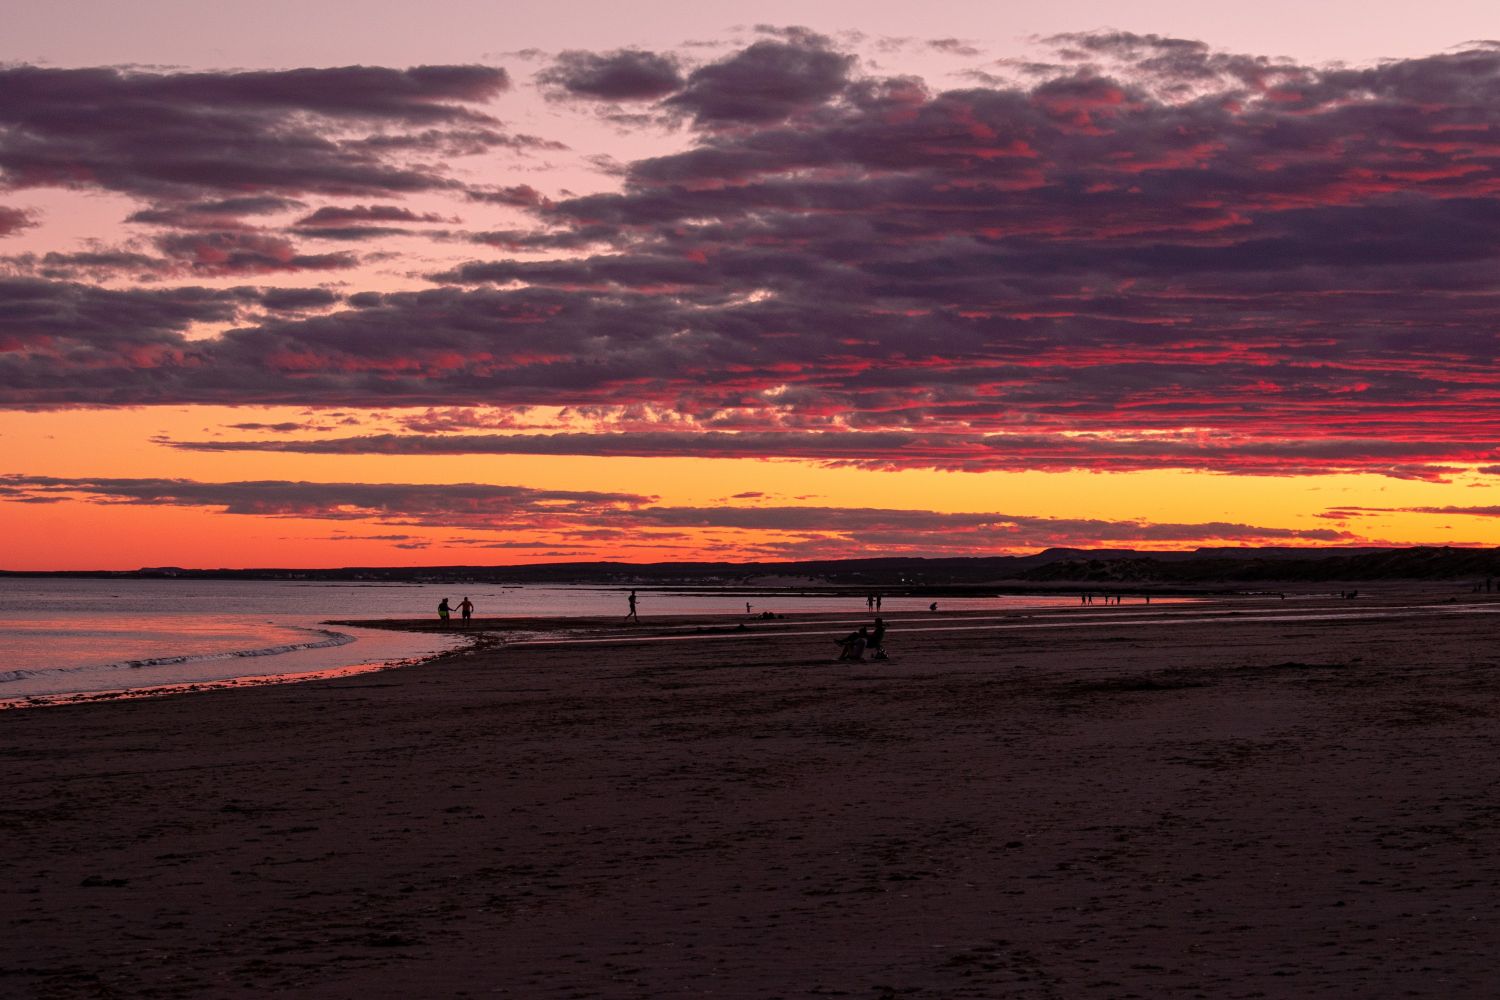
(1226,808)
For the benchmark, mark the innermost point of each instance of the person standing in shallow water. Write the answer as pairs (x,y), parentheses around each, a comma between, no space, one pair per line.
(443,611)
(631,616)
(466,609)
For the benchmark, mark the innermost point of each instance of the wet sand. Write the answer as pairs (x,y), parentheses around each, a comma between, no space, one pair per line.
(1264,799)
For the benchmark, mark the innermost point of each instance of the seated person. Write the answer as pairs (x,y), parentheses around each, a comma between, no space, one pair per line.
(854,644)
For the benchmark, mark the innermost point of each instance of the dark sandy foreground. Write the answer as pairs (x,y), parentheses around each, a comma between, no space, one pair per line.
(1223,809)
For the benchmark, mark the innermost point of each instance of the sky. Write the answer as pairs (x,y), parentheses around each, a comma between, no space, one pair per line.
(365,284)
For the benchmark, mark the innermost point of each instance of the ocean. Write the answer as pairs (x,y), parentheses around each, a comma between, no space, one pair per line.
(75,636)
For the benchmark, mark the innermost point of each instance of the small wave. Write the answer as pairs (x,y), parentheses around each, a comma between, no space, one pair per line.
(330,639)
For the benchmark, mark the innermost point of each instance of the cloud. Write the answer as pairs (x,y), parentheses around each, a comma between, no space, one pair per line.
(574,517)
(335,215)
(13,220)
(1147,254)
(954,46)
(298,299)
(190,254)
(178,137)
(215,254)
(362,222)
(516,196)
(768,81)
(283,427)
(890,449)
(1483,511)
(863,522)
(52,331)
(622,75)
(92,265)
(219,213)
(324,422)
(467,505)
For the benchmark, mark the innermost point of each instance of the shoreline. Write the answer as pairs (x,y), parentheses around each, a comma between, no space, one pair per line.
(522,631)
(1239,806)
(94,668)
(227,683)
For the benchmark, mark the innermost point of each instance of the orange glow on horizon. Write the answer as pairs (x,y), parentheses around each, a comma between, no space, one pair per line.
(74,534)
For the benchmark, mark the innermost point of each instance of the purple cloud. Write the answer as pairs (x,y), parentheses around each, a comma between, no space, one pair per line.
(209,253)
(219,213)
(581,516)
(767,82)
(88,265)
(1479,511)
(890,449)
(362,222)
(174,137)
(449,505)
(283,427)
(13,220)
(298,299)
(335,215)
(1150,254)
(49,331)
(622,75)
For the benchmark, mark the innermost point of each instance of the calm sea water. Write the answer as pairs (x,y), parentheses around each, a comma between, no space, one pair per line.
(73,636)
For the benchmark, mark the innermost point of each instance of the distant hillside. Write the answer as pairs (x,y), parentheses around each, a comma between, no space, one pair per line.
(1048,569)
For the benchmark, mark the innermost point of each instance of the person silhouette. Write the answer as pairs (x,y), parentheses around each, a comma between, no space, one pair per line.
(631,615)
(854,644)
(877,640)
(466,609)
(443,611)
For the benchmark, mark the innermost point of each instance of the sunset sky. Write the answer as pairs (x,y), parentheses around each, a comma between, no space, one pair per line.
(389,284)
